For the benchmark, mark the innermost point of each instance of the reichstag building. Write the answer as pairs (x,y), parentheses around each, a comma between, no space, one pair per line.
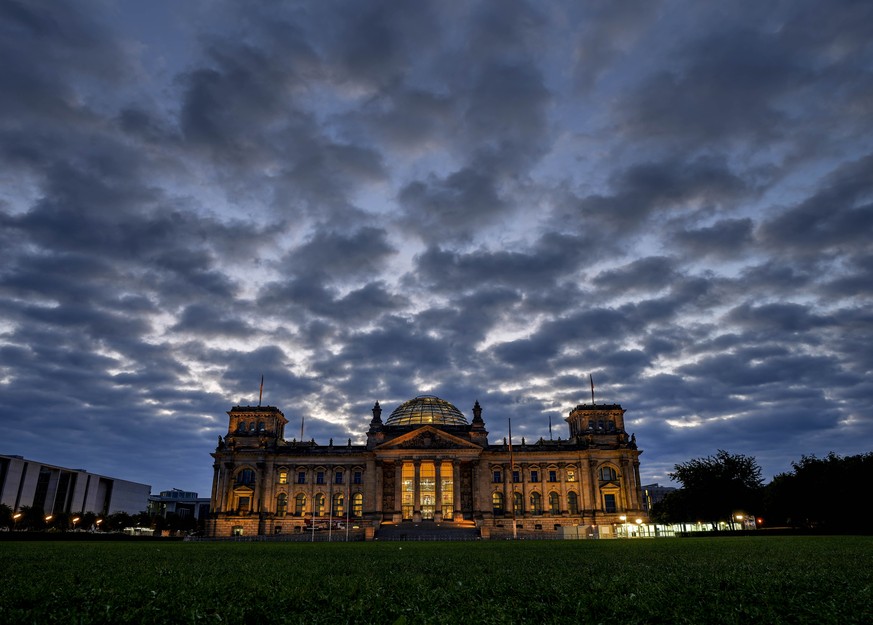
(426,466)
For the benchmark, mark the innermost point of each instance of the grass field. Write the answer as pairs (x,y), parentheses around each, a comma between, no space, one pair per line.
(712,580)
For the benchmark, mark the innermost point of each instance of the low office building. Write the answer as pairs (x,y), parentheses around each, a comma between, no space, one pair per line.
(185,504)
(56,490)
(426,464)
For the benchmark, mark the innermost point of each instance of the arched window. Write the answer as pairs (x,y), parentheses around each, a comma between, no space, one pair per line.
(554,503)
(281,504)
(338,504)
(319,505)
(572,503)
(607,474)
(497,504)
(358,505)
(518,504)
(261,426)
(299,504)
(536,503)
(241,426)
(252,426)
(245,477)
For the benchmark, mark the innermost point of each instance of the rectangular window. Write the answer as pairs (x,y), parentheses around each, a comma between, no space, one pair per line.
(553,476)
(497,477)
(244,503)
(301,477)
(357,478)
(516,477)
(609,503)
(319,477)
(283,477)
(534,476)
(338,477)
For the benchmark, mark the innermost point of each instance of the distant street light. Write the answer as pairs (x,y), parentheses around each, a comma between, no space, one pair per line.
(15,518)
(75,520)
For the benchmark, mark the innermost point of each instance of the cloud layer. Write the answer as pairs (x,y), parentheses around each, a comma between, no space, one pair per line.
(364,202)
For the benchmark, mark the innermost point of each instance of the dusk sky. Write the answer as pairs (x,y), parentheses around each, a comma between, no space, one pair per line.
(486,201)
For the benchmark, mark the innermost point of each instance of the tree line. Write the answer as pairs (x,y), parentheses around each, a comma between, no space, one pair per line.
(826,494)
(29,518)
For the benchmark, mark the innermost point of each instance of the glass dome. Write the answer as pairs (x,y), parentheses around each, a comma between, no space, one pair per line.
(426,410)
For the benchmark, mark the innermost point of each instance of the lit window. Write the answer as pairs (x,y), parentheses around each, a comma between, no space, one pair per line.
(357,505)
(554,503)
(281,504)
(338,503)
(518,504)
(607,474)
(572,503)
(497,504)
(283,477)
(536,503)
(609,502)
(299,504)
(319,505)
(571,475)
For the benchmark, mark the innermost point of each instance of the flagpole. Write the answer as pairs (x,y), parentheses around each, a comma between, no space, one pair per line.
(591,377)
(261,393)
(512,481)
(330,507)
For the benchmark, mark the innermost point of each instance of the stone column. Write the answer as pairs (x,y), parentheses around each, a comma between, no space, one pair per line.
(508,500)
(456,476)
(438,504)
(373,488)
(398,490)
(416,497)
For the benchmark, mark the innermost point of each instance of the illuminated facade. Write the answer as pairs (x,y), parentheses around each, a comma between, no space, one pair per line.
(426,464)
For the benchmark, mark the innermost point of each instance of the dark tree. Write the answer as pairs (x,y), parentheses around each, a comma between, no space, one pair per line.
(717,487)
(819,493)
(5,516)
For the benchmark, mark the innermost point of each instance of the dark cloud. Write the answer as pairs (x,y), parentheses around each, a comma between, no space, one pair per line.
(368,201)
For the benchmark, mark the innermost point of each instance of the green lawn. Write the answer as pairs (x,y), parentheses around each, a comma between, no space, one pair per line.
(748,580)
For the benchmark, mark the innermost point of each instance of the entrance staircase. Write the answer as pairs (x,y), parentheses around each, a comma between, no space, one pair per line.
(428,530)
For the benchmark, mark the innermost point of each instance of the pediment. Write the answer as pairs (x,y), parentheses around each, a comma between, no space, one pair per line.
(427,437)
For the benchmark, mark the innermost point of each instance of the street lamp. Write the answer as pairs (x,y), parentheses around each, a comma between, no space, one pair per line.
(15,518)
(97,523)
(74,520)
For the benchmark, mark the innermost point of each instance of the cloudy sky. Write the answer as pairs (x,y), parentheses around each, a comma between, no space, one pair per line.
(371,200)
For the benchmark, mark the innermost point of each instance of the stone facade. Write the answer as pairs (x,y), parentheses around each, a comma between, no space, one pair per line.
(426,464)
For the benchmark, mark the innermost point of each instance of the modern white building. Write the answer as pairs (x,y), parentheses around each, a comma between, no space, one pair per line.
(57,489)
